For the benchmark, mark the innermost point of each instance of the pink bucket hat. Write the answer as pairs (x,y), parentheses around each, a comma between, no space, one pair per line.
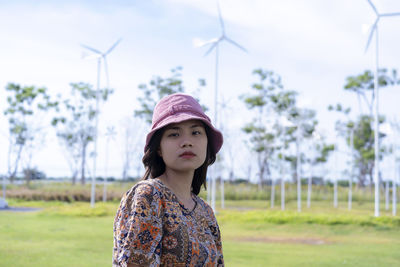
(177,108)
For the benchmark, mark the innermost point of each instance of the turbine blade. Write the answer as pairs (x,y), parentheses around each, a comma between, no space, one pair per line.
(373,7)
(221,21)
(197,42)
(236,44)
(371,34)
(113,46)
(390,14)
(91,49)
(211,48)
(88,57)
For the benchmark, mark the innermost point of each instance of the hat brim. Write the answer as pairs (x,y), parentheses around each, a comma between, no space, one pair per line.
(216,136)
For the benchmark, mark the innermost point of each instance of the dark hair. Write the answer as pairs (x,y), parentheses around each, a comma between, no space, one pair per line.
(155,165)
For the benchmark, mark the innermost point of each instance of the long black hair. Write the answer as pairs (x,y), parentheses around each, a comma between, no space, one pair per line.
(155,165)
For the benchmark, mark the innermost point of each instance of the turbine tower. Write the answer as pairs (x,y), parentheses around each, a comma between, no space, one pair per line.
(374,29)
(99,56)
(214,43)
(110,134)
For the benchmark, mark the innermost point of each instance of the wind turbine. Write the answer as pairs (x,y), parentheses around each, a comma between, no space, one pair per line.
(214,43)
(99,56)
(110,134)
(374,29)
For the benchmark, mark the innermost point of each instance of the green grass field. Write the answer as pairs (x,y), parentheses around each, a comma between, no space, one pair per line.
(73,234)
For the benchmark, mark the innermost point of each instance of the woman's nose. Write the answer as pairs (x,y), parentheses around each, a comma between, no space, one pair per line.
(186,143)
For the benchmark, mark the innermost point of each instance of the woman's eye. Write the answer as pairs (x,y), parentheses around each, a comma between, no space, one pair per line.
(196,132)
(173,135)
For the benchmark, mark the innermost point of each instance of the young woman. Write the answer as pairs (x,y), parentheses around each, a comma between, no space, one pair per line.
(161,221)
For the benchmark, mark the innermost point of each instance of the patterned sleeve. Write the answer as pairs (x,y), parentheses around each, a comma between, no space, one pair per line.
(138,228)
(213,224)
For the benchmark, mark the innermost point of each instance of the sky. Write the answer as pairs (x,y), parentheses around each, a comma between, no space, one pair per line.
(313,45)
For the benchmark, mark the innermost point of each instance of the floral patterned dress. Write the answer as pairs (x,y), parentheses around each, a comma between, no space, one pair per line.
(152,228)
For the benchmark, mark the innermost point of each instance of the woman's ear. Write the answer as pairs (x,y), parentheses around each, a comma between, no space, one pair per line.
(159,152)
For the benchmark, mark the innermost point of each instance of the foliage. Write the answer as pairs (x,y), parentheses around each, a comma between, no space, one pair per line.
(159,87)
(76,129)
(33,174)
(24,104)
(364,148)
(64,192)
(363,85)
(325,150)
(267,133)
(362,127)
(265,100)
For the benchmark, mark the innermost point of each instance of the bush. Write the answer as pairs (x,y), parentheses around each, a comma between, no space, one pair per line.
(33,174)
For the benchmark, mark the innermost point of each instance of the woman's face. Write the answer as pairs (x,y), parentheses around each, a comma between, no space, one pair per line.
(183,146)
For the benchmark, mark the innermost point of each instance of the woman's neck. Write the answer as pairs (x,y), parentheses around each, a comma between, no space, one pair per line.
(179,182)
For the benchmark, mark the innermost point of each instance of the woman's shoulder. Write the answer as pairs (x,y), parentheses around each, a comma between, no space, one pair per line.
(149,189)
(149,186)
(145,195)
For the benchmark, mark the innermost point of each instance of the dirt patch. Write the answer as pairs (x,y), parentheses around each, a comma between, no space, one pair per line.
(285,240)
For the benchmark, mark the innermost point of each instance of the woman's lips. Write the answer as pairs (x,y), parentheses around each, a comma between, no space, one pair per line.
(187,155)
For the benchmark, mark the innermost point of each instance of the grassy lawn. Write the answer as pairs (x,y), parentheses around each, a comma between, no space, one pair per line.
(75,235)
(309,245)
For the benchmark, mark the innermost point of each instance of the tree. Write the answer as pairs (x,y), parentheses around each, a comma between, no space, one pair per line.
(25,103)
(76,130)
(364,148)
(266,133)
(259,130)
(304,125)
(33,174)
(159,87)
(363,85)
(132,131)
(362,127)
(319,155)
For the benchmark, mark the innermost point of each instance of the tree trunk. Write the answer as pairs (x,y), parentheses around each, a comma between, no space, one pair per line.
(261,178)
(28,176)
(74,175)
(272,193)
(309,188)
(387,195)
(83,161)
(261,170)
(14,173)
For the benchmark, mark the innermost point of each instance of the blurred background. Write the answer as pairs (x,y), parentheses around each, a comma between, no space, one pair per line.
(313,47)
(289,83)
